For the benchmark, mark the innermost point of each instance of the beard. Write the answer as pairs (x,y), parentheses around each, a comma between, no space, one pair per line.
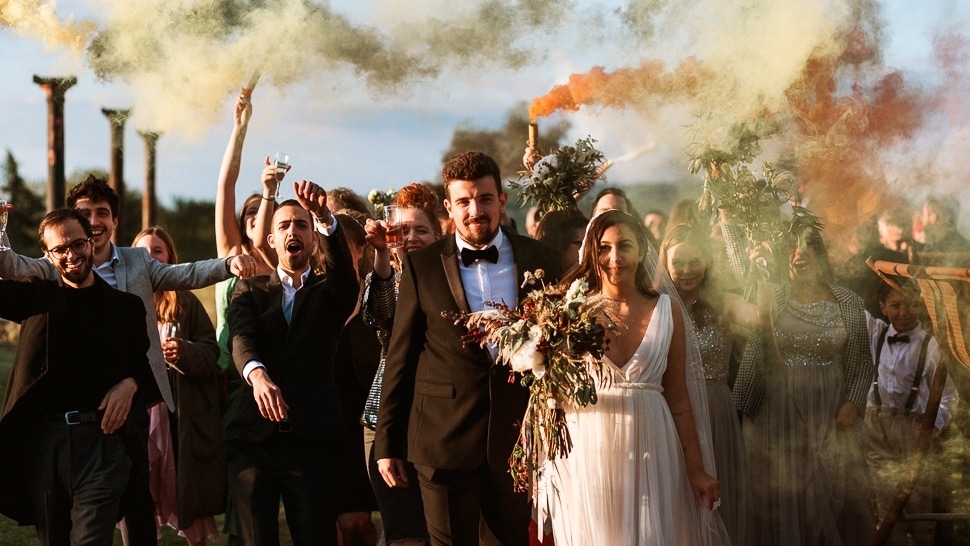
(477,234)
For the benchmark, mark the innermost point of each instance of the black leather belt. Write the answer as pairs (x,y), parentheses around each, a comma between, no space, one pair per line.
(75,417)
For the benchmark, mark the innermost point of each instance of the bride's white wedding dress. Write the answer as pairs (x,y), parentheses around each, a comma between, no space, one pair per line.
(625,480)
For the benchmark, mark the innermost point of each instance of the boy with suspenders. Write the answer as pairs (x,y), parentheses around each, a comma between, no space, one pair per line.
(906,358)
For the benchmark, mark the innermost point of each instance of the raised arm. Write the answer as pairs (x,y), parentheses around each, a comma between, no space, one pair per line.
(264,215)
(228,237)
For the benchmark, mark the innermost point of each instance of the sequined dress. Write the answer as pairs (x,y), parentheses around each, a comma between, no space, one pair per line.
(714,339)
(809,483)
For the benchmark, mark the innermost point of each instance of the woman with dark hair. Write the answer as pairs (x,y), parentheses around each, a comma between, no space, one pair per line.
(354,364)
(188,466)
(610,199)
(563,232)
(685,255)
(402,511)
(801,385)
(641,469)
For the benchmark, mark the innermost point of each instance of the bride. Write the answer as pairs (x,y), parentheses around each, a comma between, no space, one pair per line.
(640,471)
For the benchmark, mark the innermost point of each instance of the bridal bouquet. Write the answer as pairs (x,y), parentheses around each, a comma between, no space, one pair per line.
(555,180)
(555,339)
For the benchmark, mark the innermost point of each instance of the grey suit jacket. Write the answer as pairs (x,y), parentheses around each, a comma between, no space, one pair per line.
(138,274)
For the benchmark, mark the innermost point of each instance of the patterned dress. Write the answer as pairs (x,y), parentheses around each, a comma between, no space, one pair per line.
(714,339)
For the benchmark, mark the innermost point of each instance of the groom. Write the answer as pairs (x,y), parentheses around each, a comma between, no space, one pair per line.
(445,407)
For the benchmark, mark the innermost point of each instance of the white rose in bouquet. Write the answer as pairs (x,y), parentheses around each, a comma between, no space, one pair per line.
(528,358)
(543,167)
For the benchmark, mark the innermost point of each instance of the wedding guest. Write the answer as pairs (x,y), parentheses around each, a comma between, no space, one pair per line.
(641,468)
(354,364)
(801,385)
(612,198)
(343,199)
(685,255)
(242,234)
(285,435)
(445,407)
(907,358)
(131,270)
(656,222)
(402,510)
(80,361)
(187,464)
(940,227)
(563,232)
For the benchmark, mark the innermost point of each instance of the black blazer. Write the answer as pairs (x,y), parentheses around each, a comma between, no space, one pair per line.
(123,348)
(298,356)
(444,405)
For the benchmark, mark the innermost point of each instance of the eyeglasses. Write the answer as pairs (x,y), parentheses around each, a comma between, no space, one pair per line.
(77,246)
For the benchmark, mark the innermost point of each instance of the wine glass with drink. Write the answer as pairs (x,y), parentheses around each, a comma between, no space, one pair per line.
(282,164)
(395,230)
(4,241)
(170,331)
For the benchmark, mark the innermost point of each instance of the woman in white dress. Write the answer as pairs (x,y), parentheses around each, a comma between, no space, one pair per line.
(639,472)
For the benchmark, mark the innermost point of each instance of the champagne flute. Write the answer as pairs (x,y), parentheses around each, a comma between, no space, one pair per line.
(170,329)
(282,163)
(4,241)
(395,231)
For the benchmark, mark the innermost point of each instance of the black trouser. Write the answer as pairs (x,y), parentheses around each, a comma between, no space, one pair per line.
(137,506)
(300,473)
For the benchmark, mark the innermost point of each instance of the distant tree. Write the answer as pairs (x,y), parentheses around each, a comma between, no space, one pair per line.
(28,211)
(507,144)
(189,223)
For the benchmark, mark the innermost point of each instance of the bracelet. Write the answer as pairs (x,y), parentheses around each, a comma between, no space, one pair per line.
(267,198)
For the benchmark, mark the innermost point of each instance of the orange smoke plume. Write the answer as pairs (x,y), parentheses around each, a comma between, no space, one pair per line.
(623,87)
(838,137)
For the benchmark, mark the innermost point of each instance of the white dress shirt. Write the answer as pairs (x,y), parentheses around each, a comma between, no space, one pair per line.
(897,370)
(485,281)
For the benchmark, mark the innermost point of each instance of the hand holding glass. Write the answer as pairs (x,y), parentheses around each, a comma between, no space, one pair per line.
(170,329)
(4,241)
(395,231)
(282,163)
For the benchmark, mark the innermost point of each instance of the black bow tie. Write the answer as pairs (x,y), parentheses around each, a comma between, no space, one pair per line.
(469,256)
(898,339)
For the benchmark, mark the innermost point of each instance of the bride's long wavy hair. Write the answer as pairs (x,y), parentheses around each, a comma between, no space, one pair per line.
(589,267)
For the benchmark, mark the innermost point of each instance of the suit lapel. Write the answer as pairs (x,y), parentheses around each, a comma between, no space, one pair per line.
(449,262)
(121,272)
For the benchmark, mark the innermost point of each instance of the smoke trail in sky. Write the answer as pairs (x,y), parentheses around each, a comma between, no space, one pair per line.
(39,19)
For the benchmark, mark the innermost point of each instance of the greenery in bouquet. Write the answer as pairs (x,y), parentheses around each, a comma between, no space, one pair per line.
(555,181)
(724,156)
(380,199)
(555,340)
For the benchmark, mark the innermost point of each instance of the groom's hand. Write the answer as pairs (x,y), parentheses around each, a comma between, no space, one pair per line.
(394,472)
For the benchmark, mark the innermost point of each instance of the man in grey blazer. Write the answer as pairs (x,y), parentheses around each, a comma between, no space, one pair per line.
(131,270)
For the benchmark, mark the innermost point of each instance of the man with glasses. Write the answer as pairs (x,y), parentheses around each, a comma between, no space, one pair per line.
(70,389)
(132,270)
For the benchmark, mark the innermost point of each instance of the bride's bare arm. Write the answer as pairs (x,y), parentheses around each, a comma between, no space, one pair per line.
(706,488)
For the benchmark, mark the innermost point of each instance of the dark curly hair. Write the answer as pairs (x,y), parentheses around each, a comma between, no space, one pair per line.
(470,165)
(96,190)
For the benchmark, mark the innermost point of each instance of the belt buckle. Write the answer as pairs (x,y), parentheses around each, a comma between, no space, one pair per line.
(72,417)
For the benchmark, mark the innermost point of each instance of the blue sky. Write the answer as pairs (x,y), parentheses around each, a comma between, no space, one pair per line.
(339,134)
